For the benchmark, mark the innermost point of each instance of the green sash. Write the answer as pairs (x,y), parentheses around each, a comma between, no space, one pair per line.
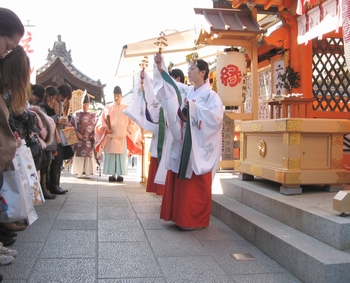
(161,133)
(187,146)
(161,126)
(169,80)
(147,114)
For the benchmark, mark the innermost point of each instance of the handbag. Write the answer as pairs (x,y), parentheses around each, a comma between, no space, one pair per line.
(38,154)
(12,196)
(26,166)
(68,152)
(68,136)
(52,146)
(32,141)
(31,191)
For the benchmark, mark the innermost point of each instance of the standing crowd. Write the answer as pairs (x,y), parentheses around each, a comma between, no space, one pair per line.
(185,121)
(32,114)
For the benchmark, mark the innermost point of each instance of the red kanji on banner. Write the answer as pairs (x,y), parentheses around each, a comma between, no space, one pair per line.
(26,42)
(230,75)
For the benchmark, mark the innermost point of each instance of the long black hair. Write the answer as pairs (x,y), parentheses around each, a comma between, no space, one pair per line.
(203,66)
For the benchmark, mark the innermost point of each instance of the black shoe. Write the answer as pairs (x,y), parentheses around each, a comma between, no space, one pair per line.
(112,179)
(7,241)
(4,239)
(49,196)
(7,234)
(57,191)
(66,191)
(120,179)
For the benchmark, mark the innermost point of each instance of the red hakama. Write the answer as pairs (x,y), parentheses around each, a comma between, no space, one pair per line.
(187,202)
(152,187)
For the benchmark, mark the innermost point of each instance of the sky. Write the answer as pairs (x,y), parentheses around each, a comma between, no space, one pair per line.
(96,31)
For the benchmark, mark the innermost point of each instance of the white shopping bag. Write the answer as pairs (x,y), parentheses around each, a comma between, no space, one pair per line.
(24,162)
(27,168)
(12,199)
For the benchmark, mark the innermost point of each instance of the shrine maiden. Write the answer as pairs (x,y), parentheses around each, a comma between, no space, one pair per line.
(193,147)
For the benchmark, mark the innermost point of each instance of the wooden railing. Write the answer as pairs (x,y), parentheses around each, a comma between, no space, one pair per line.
(291,108)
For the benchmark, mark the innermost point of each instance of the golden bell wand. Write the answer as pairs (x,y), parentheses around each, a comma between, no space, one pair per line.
(161,42)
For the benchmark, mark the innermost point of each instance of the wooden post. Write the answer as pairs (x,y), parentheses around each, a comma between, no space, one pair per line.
(143,181)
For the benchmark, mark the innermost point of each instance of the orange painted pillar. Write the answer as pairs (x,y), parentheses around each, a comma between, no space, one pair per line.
(300,59)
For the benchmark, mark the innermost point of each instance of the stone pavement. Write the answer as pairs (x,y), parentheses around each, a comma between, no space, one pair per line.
(105,232)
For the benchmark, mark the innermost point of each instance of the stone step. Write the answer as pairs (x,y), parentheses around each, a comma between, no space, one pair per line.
(304,256)
(310,212)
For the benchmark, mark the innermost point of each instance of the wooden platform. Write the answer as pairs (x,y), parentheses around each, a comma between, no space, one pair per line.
(294,152)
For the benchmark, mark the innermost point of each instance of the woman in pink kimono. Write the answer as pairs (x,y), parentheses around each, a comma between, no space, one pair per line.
(110,133)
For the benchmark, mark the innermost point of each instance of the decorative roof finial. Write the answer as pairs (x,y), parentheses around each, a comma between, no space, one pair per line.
(59,49)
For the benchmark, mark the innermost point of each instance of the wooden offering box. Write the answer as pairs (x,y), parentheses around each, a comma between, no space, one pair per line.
(293,152)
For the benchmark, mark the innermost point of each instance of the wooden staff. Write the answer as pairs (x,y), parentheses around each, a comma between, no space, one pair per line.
(108,121)
(143,65)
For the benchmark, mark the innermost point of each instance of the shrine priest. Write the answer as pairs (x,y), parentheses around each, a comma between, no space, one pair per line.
(84,164)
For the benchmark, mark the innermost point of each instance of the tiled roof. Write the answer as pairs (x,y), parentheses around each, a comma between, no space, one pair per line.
(59,68)
(70,67)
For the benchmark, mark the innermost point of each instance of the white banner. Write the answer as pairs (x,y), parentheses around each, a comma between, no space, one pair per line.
(302,29)
(278,68)
(314,23)
(346,30)
(330,20)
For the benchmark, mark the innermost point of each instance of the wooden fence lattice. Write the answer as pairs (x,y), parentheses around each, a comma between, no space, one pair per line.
(330,75)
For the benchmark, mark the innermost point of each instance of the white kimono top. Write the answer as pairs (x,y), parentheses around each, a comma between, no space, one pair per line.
(137,106)
(206,120)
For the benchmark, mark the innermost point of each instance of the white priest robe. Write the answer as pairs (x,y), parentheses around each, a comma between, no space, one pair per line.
(206,120)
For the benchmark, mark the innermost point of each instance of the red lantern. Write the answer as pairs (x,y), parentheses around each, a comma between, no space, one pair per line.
(230,69)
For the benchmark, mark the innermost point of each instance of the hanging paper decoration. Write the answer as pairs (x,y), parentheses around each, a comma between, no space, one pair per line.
(321,19)
(302,36)
(346,30)
(313,19)
(330,18)
(230,69)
